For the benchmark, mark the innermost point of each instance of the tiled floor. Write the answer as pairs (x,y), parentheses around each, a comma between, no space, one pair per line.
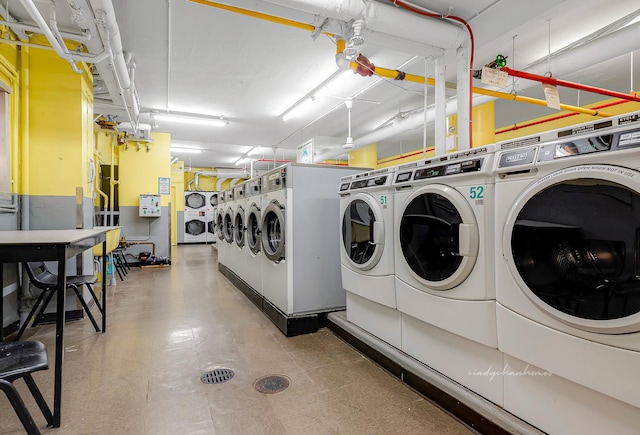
(168,326)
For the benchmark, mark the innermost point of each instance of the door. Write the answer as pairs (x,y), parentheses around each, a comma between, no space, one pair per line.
(194,200)
(238,227)
(227,226)
(363,232)
(253,229)
(273,232)
(572,243)
(194,227)
(438,236)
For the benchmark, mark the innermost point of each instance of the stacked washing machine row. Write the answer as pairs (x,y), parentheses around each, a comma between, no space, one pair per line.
(281,243)
(199,216)
(568,276)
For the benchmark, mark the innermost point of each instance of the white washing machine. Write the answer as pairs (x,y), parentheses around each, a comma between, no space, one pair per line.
(300,238)
(212,210)
(366,254)
(221,245)
(254,255)
(238,249)
(195,217)
(568,256)
(227,229)
(444,250)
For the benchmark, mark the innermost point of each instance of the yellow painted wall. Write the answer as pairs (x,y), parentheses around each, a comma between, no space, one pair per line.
(565,122)
(140,169)
(60,126)
(365,157)
(9,75)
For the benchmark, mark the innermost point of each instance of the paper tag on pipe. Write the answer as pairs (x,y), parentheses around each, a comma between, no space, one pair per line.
(552,96)
(494,77)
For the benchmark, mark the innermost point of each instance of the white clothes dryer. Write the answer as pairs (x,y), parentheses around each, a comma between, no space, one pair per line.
(195,219)
(227,229)
(568,255)
(221,245)
(366,254)
(212,209)
(444,250)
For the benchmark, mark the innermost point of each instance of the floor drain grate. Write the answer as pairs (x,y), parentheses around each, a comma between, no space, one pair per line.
(271,384)
(217,376)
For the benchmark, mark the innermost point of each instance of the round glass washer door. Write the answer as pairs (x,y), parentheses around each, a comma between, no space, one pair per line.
(194,200)
(195,227)
(362,232)
(438,236)
(273,232)
(227,226)
(572,244)
(254,229)
(238,227)
(220,224)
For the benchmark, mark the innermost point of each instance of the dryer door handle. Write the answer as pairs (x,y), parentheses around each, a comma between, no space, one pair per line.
(378,233)
(468,240)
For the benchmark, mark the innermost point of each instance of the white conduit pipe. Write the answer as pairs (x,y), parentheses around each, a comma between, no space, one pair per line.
(34,13)
(219,183)
(234,181)
(597,51)
(75,56)
(21,26)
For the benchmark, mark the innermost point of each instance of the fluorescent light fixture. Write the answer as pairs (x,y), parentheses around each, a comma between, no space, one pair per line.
(190,119)
(256,151)
(179,150)
(299,109)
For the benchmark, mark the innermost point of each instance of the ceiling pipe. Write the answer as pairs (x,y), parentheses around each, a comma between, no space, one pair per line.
(397,75)
(15,26)
(97,17)
(234,181)
(35,15)
(607,47)
(579,86)
(10,20)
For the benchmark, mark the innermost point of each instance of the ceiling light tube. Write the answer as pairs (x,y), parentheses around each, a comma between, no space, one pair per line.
(185,150)
(191,119)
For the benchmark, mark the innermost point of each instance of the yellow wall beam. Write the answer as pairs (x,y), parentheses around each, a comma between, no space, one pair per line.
(365,157)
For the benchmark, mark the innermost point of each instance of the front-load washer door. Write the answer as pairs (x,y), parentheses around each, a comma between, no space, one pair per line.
(572,243)
(239,228)
(194,200)
(194,227)
(363,232)
(439,236)
(220,225)
(253,229)
(227,226)
(273,232)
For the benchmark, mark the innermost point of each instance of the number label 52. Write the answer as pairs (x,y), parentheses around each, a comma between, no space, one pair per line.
(476,192)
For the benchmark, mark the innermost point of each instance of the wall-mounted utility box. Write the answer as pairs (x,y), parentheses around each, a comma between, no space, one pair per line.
(149,206)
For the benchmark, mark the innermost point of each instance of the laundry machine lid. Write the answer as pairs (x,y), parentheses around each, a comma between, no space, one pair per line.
(239,227)
(572,243)
(273,232)
(438,236)
(254,229)
(363,231)
(194,200)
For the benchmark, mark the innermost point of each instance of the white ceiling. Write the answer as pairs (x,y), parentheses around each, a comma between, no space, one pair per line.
(195,58)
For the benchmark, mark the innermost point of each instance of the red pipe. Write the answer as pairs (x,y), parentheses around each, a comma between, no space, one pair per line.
(404,156)
(579,86)
(555,118)
(293,161)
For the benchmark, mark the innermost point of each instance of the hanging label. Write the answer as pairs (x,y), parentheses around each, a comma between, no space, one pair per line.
(494,77)
(552,96)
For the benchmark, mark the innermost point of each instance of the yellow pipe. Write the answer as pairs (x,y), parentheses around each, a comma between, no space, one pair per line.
(260,15)
(393,74)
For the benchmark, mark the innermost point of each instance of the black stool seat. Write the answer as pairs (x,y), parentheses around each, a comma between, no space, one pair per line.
(18,359)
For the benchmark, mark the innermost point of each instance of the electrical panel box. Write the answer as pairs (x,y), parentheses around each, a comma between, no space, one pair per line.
(149,206)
